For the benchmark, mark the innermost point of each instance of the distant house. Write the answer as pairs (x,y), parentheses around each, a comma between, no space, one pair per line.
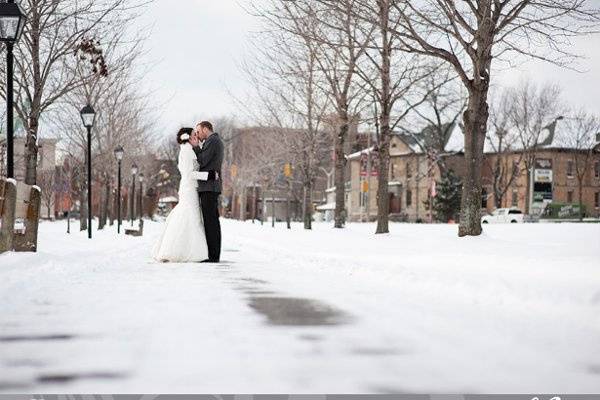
(413,170)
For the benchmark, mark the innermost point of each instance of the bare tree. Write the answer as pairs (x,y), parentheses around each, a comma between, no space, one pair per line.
(288,92)
(469,35)
(122,118)
(47,184)
(393,78)
(440,111)
(340,44)
(579,135)
(58,35)
(534,112)
(503,141)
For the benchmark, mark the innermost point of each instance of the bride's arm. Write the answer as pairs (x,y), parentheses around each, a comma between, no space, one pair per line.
(200,175)
(187,166)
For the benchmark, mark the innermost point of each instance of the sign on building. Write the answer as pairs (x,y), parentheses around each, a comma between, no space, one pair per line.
(542,180)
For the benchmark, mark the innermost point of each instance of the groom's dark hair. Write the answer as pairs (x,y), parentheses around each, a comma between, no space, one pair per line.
(207,125)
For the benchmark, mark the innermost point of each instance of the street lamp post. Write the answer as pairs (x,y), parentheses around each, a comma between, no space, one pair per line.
(119,156)
(141,196)
(88,116)
(12,21)
(134,171)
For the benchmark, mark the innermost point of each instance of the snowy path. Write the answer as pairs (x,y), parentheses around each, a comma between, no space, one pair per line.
(419,310)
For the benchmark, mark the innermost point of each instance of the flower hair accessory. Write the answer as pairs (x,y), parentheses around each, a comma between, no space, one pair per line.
(185,136)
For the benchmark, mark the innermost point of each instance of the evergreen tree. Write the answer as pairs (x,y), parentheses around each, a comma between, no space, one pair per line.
(446,203)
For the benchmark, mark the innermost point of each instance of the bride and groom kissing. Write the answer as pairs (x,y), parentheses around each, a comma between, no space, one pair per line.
(193,231)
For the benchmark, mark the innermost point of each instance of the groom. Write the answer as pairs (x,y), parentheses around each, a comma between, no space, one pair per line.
(210,158)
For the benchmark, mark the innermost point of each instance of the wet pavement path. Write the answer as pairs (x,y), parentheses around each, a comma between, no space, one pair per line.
(186,327)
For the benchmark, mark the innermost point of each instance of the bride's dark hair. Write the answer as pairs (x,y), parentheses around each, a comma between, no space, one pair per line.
(184,131)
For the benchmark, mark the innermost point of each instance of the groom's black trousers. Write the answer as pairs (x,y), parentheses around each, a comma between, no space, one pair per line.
(209,202)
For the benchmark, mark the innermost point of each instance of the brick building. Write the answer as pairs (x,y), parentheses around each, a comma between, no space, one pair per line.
(553,180)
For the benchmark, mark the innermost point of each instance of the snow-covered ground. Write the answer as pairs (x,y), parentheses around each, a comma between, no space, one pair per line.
(418,310)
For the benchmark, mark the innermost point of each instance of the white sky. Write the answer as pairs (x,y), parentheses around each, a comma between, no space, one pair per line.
(198,43)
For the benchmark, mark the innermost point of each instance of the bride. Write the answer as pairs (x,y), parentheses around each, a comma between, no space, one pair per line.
(183,239)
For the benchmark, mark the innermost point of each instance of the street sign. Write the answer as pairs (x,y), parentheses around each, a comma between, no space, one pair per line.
(287,170)
(365,186)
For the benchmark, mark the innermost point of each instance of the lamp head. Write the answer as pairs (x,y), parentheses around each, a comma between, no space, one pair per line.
(119,152)
(88,116)
(12,22)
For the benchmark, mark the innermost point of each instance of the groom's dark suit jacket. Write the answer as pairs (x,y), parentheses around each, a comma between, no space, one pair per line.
(210,158)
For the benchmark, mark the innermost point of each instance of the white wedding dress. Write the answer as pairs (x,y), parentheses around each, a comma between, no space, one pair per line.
(183,239)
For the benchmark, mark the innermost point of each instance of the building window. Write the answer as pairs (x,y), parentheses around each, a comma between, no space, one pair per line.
(570,197)
(570,168)
(515,198)
(393,170)
(597,199)
(408,197)
(408,171)
(361,199)
(597,169)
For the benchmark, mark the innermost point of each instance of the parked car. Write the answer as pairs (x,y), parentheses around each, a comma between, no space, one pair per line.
(504,216)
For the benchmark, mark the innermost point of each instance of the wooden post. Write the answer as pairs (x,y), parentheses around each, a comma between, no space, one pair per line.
(8,198)
(31,197)
(273,208)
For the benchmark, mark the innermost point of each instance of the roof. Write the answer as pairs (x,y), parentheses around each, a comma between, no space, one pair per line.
(428,137)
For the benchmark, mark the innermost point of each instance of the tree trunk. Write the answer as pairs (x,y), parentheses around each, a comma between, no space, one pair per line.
(101,211)
(528,167)
(254,202)
(31,151)
(263,213)
(273,208)
(307,206)
(82,210)
(580,190)
(243,205)
(105,205)
(112,208)
(475,120)
(234,213)
(498,196)
(287,208)
(383,198)
(340,169)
